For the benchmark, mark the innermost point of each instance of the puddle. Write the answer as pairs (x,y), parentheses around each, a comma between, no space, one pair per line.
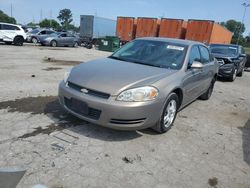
(39,130)
(48,105)
(33,105)
(52,68)
(60,62)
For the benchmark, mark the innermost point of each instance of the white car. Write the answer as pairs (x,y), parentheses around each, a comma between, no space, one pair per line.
(10,33)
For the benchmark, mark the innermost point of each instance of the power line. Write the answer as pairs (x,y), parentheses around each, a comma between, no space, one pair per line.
(245,4)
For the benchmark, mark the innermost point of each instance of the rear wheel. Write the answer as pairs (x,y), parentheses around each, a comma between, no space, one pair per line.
(53,43)
(18,41)
(168,115)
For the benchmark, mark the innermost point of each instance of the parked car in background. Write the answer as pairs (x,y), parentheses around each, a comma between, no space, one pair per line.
(11,33)
(36,35)
(61,39)
(232,59)
(143,84)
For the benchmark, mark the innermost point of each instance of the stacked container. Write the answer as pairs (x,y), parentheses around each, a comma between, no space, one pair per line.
(126,28)
(171,28)
(207,31)
(146,27)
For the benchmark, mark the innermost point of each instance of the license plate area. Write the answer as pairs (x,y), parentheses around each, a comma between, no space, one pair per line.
(77,106)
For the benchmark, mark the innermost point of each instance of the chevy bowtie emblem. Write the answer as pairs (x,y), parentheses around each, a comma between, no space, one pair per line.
(84,90)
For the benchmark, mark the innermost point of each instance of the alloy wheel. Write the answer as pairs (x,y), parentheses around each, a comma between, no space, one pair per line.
(170,113)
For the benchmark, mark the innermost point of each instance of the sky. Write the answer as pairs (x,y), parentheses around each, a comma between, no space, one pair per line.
(26,11)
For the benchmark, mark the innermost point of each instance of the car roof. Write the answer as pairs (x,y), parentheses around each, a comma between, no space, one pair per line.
(176,41)
(233,45)
(10,24)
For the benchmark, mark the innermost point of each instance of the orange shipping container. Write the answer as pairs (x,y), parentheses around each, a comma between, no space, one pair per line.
(125,28)
(207,31)
(171,28)
(146,27)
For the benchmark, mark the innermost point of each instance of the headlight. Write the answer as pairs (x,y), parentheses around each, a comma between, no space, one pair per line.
(139,94)
(66,76)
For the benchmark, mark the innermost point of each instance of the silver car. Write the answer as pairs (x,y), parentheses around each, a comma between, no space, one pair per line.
(143,84)
(61,39)
(36,35)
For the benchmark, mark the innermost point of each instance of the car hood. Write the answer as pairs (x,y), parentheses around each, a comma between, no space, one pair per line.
(113,76)
(223,56)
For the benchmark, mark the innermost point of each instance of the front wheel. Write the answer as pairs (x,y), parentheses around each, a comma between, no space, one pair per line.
(75,45)
(34,40)
(168,115)
(234,75)
(53,43)
(241,73)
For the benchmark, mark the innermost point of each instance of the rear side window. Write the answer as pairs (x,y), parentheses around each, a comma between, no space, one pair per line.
(42,32)
(9,27)
(49,32)
(194,55)
(205,57)
(0,26)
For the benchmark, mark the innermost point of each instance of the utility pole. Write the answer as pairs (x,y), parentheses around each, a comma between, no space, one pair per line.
(11,9)
(41,15)
(243,18)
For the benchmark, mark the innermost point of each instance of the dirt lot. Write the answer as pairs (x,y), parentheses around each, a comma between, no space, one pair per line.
(209,146)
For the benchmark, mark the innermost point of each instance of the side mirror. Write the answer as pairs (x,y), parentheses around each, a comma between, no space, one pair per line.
(197,65)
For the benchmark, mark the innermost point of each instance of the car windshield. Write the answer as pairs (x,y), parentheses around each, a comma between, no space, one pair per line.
(34,31)
(223,49)
(152,53)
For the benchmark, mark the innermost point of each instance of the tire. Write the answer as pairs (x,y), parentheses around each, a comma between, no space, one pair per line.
(53,43)
(75,45)
(34,40)
(241,73)
(168,115)
(234,75)
(209,91)
(18,41)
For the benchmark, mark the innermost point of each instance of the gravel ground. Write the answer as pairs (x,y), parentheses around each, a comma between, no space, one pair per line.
(209,146)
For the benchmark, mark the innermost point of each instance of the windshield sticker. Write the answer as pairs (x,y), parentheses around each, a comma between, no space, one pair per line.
(175,47)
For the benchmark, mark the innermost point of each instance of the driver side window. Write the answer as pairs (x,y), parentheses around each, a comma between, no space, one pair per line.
(194,55)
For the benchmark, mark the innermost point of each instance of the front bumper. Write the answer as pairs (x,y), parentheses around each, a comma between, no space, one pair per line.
(226,72)
(114,114)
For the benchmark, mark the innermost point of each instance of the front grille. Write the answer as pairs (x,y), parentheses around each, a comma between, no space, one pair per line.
(82,108)
(223,61)
(130,121)
(89,91)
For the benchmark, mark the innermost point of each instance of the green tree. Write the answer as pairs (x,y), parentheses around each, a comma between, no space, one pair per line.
(73,28)
(237,28)
(49,24)
(5,18)
(31,24)
(65,17)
